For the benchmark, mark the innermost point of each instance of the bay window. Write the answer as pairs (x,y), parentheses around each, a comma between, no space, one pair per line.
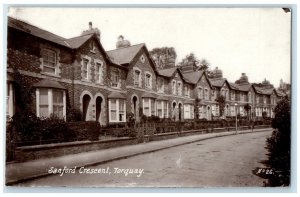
(188,111)
(149,107)
(51,102)
(117,110)
(162,109)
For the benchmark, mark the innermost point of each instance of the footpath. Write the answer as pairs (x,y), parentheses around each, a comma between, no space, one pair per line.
(20,172)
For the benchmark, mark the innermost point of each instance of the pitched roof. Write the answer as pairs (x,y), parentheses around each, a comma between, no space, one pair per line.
(46,83)
(244,87)
(77,42)
(192,77)
(168,72)
(124,55)
(35,31)
(219,82)
(233,86)
(267,91)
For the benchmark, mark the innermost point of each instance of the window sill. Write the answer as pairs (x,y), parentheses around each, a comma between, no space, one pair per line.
(86,80)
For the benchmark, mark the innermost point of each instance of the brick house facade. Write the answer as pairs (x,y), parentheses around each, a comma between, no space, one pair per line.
(106,85)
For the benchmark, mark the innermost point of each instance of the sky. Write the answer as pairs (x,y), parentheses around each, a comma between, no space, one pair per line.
(255,41)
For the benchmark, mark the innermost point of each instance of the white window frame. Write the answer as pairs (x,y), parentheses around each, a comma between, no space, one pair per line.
(139,84)
(118,73)
(99,75)
(200,92)
(9,99)
(179,87)
(50,101)
(86,77)
(232,95)
(56,59)
(174,87)
(149,86)
(206,93)
(117,110)
(160,81)
(163,104)
(187,91)
(189,109)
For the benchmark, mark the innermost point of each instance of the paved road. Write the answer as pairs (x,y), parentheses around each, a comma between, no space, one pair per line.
(219,162)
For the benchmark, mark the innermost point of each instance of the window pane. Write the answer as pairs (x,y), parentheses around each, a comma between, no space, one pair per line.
(44,111)
(43,96)
(113,114)
(122,105)
(113,103)
(57,97)
(152,107)
(49,69)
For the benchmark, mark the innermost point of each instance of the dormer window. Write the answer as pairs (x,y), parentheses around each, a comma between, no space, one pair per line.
(137,77)
(85,68)
(174,87)
(179,88)
(148,80)
(115,78)
(49,60)
(98,72)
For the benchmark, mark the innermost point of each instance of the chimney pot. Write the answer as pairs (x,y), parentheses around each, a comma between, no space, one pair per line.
(90,25)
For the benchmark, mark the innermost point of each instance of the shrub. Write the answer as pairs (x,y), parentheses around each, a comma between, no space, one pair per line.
(85,130)
(32,130)
(279,144)
(74,115)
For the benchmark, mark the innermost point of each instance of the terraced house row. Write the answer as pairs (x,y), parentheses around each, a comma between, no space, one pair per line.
(106,85)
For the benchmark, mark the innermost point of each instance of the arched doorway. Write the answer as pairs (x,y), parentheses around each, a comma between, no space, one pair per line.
(180,111)
(99,101)
(135,110)
(86,107)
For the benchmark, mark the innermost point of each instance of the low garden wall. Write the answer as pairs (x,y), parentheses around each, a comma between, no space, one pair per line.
(26,153)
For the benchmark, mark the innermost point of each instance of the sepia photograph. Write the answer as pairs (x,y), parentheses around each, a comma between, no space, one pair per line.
(155,97)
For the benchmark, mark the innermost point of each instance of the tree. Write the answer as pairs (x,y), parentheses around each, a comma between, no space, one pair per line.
(189,58)
(164,57)
(221,101)
(279,144)
(202,64)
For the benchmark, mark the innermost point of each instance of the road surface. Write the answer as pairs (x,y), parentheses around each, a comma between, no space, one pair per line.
(218,162)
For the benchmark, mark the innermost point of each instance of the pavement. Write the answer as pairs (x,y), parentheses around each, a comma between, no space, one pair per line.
(29,170)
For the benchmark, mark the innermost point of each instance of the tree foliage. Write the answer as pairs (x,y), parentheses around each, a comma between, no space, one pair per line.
(279,144)
(164,57)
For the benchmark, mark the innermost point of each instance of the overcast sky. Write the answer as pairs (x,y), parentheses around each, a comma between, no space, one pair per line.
(250,40)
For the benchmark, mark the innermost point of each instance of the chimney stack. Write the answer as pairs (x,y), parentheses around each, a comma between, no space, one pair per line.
(90,25)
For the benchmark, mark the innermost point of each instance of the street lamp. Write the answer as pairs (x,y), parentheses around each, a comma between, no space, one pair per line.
(235,118)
